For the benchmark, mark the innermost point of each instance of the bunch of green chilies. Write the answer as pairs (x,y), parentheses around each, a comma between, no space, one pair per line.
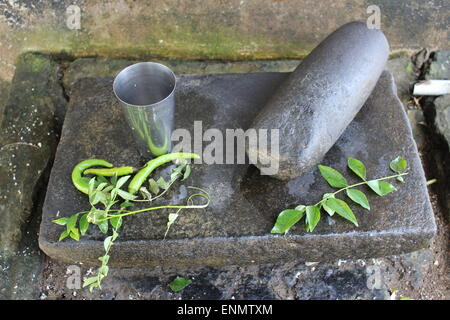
(86,167)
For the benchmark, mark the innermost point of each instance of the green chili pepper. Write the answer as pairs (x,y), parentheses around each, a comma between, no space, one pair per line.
(82,183)
(150,166)
(119,171)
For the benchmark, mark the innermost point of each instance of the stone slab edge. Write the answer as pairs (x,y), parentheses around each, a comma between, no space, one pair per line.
(267,248)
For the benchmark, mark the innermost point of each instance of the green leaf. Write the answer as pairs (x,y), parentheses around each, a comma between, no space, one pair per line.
(145,193)
(103,271)
(398,164)
(381,187)
(153,186)
(96,197)
(312,217)
(95,215)
(103,226)
(90,281)
(162,183)
(74,234)
(114,179)
(125,195)
(108,189)
(102,179)
(187,172)
(114,235)
(327,209)
(287,218)
(101,186)
(85,180)
(116,222)
(113,193)
(92,286)
(71,222)
(91,186)
(122,181)
(84,224)
(359,197)
(179,284)
(357,167)
(61,221)
(177,172)
(333,177)
(342,209)
(400,179)
(63,235)
(324,205)
(104,259)
(107,243)
(126,204)
(170,220)
(174,175)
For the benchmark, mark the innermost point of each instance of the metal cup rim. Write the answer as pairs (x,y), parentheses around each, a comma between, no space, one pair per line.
(152,104)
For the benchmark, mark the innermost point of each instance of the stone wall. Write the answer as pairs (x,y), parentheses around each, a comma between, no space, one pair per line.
(28,127)
(187,29)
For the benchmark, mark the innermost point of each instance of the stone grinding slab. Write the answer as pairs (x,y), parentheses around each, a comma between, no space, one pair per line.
(235,228)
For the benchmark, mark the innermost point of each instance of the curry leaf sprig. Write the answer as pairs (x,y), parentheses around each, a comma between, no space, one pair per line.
(104,193)
(101,191)
(110,203)
(331,205)
(157,188)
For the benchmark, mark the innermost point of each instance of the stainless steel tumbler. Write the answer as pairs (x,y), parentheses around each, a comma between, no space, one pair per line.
(146,91)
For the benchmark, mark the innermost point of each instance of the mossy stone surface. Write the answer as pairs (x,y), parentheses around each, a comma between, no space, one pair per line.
(402,69)
(215,30)
(27,141)
(100,67)
(439,66)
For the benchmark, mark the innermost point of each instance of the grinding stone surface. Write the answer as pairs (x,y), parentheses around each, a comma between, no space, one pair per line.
(235,228)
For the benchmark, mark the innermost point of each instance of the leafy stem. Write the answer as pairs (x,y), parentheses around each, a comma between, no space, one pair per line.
(157,196)
(331,205)
(363,183)
(104,195)
(181,172)
(203,195)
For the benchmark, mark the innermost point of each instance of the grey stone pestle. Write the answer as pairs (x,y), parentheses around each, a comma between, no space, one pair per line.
(315,104)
